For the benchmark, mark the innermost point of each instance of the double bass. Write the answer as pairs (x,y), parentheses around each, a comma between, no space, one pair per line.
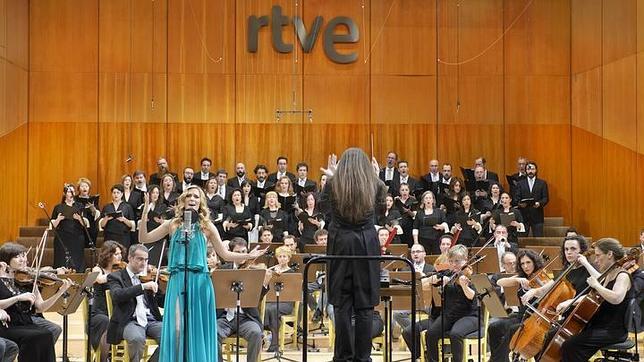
(584,311)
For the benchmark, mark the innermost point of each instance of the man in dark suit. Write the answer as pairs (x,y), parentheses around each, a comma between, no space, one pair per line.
(250,327)
(240,172)
(403,177)
(535,193)
(487,175)
(162,164)
(303,185)
(432,180)
(188,179)
(282,170)
(223,189)
(514,179)
(135,313)
(204,175)
(261,185)
(389,172)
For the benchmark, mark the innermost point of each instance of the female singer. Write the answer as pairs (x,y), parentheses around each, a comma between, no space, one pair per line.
(322,183)
(467,220)
(109,259)
(501,330)
(126,181)
(405,204)
(157,214)
(169,195)
(460,314)
(607,326)
(202,332)
(389,218)
(430,224)
(351,196)
(271,320)
(311,223)
(249,199)
(238,220)
(71,231)
(288,201)
(512,213)
(273,217)
(492,202)
(215,203)
(117,218)
(36,344)
(90,211)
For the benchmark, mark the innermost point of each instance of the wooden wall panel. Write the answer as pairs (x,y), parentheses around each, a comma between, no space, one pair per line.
(537,100)
(13,147)
(620,216)
(586,109)
(192,141)
(619,36)
(264,142)
(619,108)
(586,29)
(413,142)
(587,150)
(201,98)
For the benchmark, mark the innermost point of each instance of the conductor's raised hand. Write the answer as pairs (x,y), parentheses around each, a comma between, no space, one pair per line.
(332,165)
(375,165)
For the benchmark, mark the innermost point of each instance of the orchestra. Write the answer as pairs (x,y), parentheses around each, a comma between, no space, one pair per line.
(440,223)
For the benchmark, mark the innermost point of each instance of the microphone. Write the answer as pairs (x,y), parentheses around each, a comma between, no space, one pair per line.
(129,159)
(186,228)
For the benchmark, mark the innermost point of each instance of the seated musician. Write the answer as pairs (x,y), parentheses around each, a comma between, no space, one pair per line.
(502,243)
(607,326)
(8,348)
(250,326)
(501,330)
(21,306)
(459,314)
(289,240)
(211,257)
(320,237)
(109,260)
(135,313)
(271,320)
(266,236)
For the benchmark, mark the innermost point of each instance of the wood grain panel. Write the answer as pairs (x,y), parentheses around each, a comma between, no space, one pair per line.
(549,146)
(63,35)
(640,104)
(586,33)
(462,101)
(619,109)
(258,96)
(537,99)
(14,83)
(587,211)
(263,142)
(403,99)
(403,39)
(619,24)
(461,144)
(62,97)
(3,26)
(201,98)
(337,98)
(13,147)
(202,36)
(266,59)
(415,143)
(587,100)
(132,97)
(59,152)
(479,25)
(192,141)
(539,42)
(16,38)
(316,62)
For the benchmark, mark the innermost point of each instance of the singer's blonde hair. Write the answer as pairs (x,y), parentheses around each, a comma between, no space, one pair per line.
(203,211)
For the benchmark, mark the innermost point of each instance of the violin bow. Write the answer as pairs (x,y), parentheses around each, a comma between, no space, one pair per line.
(156,279)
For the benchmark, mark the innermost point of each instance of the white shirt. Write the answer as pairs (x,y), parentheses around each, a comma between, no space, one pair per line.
(419,267)
(144,188)
(435,176)
(531,182)
(404,179)
(204,176)
(141,311)
(260,185)
(500,250)
(389,174)
(301,182)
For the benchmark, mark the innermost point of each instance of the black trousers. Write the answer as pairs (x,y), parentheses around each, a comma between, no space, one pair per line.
(456,331)
(352,344)
(420,326)
(36,344)
(500,332)
(580,347)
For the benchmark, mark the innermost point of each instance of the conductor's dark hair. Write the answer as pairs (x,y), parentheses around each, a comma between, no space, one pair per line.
(260,167)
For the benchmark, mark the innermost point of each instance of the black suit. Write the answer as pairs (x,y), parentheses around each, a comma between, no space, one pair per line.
(227,192)
(234,182)
(309,186)
(492,176)
(381,175)
(273,177)
(155,179)
(532,216)
(197,180)
(268,186)
(394,187)
(124,305)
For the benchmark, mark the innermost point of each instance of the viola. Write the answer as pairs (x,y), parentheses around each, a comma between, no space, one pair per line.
(584,311)
(119,266)
(27,276)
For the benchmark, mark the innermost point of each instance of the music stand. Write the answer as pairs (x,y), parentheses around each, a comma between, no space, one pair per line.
(490,263)
(287,287)
(69,302)
(550,253)
(239,288)
(314,249)
(486,295)
(511,297)
(399,249)
(315,272)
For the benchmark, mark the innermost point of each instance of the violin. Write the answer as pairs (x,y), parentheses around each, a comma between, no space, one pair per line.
(27,276)
(119,266)
(155,275)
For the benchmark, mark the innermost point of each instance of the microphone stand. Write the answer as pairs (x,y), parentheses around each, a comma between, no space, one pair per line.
(186,242)
(479,300)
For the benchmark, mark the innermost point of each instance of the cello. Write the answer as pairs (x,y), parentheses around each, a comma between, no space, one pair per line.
(529,339)
(584,311)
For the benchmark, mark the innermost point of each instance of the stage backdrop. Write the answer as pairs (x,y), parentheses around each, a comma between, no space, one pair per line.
(84,84)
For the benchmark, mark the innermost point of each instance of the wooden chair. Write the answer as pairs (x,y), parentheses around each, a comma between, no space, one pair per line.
(95,354)
(119,351)
(469,343)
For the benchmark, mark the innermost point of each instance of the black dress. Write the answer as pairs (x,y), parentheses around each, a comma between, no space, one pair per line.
(277,221)
(308,229)
(468,235)
(406,221)
(36,344)
(513,235)
(159,210)
(71,236)
(427,235)
(99,320)
(241,218)
(116,230)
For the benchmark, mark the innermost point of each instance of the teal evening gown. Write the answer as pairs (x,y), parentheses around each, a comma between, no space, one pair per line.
(202,317)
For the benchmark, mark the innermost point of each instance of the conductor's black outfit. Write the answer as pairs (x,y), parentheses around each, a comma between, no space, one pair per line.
(354,286)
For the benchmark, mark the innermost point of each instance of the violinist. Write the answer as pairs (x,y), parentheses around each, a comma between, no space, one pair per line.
(500,331)
(266,236)
(109,259)
(21,306)
(460,313)
(607,326)
(70,226)
(441,263)
(211,257)
(271,319)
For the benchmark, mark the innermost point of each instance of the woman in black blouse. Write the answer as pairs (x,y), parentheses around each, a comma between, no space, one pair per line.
(406,205)
(489,204)
(308,222)
(109,256)
(36,344)
(510,217)
(429,224)
(238,220)
(71,231)
(168,194)
(273,217)
(157,214)
(467,220)
(215,203)
(389,218)
(118,218)
(90,204)
(249,198)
